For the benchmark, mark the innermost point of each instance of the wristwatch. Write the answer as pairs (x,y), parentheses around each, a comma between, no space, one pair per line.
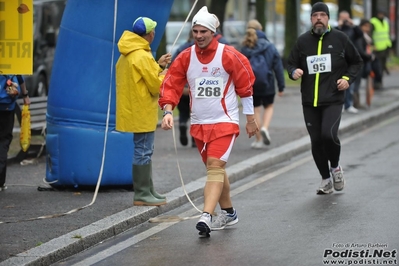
(167,112)
(25,94)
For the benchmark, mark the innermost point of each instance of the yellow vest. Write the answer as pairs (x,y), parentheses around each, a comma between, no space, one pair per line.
(381,37)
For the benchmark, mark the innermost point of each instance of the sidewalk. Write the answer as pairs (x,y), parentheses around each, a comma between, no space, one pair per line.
(45,241)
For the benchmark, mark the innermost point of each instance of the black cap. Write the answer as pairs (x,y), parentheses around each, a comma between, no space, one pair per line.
(381,11)
(320,7)
(364,21)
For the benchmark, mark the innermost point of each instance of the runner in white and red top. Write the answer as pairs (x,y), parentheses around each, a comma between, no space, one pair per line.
(217,75)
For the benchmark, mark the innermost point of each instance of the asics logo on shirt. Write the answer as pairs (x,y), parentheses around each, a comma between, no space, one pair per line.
(318,59)
(209,82)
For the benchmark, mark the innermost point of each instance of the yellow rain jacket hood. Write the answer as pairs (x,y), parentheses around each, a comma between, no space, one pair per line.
(137,85)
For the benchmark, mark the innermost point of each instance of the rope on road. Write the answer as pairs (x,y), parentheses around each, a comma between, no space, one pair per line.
(153,220)
(105,138)
(168,218)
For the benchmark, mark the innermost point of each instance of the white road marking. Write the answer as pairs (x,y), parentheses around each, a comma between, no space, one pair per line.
(162,226)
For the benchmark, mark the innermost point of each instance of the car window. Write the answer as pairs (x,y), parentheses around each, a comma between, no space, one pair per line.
(172,30)
(275,33)
(234,32)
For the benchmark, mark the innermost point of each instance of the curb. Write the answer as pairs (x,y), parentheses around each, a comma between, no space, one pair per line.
(88,236)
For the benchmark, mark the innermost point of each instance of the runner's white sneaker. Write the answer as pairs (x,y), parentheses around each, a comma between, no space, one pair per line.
(265,136)
(257,145)
(352,110)
(326,187)
(224,219)
(204,223)
(338,178)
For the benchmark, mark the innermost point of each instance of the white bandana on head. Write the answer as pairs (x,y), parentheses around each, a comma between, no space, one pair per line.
(206,19)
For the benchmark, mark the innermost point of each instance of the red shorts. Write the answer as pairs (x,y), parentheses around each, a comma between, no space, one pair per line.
(219,148)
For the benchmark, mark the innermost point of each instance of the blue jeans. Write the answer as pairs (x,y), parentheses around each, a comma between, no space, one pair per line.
(349,96)
(143,147)
(356,83)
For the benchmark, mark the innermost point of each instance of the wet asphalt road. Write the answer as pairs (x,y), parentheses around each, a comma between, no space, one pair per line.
(282,220)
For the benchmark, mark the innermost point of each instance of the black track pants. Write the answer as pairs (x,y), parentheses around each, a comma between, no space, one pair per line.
(6,126)
(184,109)
(322,124)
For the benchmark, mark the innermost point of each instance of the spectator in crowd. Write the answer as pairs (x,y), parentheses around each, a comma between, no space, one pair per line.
(255,24)
(382,44)
(11,86)
(364,47)
(138,78)
(346,25)
(267,65)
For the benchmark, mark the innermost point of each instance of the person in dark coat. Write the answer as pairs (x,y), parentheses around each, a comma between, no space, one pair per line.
(264,87)
(364,47)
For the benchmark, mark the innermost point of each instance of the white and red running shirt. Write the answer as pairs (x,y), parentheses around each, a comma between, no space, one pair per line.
(217,76)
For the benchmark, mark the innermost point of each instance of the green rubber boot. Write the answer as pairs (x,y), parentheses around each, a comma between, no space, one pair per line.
(142,186)
(153,192)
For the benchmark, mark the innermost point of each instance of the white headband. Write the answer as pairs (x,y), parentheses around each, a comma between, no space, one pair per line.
(206,19)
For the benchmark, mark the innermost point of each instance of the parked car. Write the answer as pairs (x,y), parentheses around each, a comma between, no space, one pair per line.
(275,34)
(234,32)
(47,15)
(172,29)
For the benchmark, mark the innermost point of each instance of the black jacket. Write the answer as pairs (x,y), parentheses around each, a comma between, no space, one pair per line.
(321,88)
(361,46)
(274,65)
(353,32)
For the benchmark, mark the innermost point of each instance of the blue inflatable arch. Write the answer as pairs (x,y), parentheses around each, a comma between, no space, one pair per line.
(82,85)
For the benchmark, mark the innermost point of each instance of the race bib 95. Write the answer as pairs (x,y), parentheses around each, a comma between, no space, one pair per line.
(319,63)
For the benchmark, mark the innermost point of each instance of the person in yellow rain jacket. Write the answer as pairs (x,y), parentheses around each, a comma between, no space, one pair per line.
(382,44)
(138,79)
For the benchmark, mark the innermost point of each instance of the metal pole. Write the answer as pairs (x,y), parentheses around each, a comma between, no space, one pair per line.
(298,17)
(397,27)
(274,37)
(367,9)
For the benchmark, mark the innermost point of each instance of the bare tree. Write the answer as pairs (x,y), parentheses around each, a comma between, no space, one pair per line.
(260,11)
(162,45)
(291,29)
(374,8)
(218,7)
(199,5)
(345,6)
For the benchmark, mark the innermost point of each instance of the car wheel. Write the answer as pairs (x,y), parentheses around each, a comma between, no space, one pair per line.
(42,86)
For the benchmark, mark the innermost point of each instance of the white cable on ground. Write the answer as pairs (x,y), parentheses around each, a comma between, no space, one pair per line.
(178,167)
(166,218)
(173,128)
(105,139)
(169,218)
